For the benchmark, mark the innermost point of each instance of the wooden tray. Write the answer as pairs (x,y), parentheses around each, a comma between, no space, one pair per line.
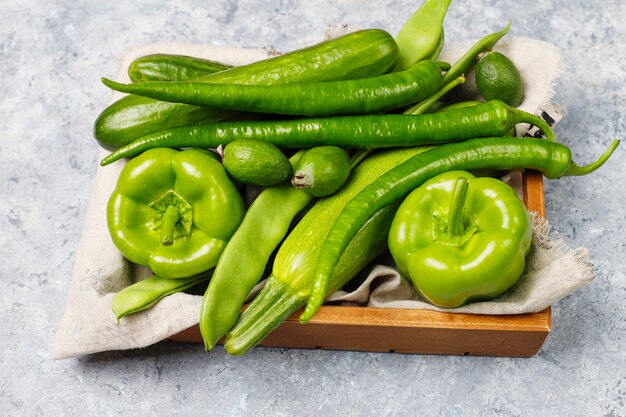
(416,331)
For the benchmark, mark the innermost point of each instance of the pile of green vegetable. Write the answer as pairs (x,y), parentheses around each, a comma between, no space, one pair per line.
(309,127)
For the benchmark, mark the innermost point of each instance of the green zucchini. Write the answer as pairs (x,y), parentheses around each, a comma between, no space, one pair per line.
(171,67)
(289,286)
(360,54)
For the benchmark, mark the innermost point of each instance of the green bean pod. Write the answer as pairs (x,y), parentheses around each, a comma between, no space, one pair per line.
(552,159)
(171,67)
(363,96)
(438,48)
(245,256)
(492,118)
(421,35)
(145,293)
(360,54)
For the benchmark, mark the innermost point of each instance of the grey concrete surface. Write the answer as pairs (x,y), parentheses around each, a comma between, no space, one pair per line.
(52,54)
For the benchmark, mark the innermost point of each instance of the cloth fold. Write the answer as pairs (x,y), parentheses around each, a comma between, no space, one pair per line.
(88,324)
(552,271)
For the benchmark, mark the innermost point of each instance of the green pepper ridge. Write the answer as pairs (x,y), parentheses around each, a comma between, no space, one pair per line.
(458,238)
(173,211)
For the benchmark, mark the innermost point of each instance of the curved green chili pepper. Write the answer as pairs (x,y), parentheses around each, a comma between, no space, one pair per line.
(363,96)
(552,159)
(420,36)
(492,118)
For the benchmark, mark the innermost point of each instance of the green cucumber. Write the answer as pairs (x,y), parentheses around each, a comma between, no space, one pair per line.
(256,162)
(360,54)
(322,170)
(134,116)
(171,67)
(289,286)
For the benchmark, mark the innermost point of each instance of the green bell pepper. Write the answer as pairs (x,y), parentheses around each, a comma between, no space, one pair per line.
(174,211)
(459,238)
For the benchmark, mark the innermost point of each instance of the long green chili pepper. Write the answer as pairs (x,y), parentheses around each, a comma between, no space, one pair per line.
(420,108)
(469,58)
(246,254)
(552,159)
(363,96)
(493,118)
(420,36)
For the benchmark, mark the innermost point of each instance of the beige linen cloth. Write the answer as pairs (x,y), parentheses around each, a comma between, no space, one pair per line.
(88,325)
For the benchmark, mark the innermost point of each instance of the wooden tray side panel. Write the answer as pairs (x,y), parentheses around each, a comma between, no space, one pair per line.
(440,341)
(408,331)
(532,188)
(429,333)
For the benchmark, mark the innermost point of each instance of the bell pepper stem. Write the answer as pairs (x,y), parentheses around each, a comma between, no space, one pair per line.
(575,170)
(455,214)
(168,223)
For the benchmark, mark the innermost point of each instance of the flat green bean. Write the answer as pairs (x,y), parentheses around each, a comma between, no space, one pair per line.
(245,256)
(145,293)
(421,35)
